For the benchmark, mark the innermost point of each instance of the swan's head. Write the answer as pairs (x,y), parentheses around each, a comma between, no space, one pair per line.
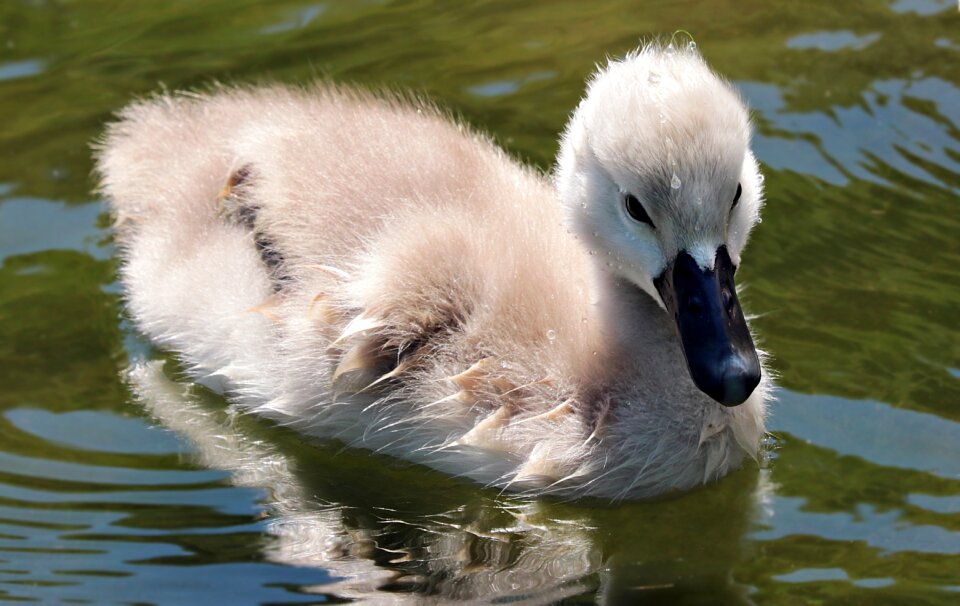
(658,178)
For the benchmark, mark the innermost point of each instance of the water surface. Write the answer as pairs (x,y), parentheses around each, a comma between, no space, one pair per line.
(146,490)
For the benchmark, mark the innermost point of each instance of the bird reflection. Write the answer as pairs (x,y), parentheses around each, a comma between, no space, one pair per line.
(394,535)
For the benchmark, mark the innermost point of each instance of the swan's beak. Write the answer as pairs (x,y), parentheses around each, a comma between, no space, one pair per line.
(716,341)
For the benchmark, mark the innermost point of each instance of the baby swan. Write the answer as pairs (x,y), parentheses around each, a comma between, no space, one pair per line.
(366,269)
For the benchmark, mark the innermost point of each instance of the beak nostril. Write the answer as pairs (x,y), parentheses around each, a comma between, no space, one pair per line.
(728,301)
(695,305)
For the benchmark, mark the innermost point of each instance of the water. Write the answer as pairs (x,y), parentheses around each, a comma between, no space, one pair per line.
(147,491)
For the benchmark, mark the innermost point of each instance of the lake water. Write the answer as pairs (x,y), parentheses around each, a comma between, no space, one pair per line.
(144,490)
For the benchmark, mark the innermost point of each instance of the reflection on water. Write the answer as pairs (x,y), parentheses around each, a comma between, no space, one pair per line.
(854,273)
(408,545)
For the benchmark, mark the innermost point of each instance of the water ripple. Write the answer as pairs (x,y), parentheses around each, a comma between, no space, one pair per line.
(21,69)
(832,41)
(880,529)
(873,431)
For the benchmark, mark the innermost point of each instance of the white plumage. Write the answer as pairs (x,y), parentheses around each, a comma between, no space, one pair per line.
(364,268)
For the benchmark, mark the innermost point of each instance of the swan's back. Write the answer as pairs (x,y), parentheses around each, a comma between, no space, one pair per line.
(329,165)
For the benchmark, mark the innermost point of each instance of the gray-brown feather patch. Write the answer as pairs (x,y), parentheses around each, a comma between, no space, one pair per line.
(239,205)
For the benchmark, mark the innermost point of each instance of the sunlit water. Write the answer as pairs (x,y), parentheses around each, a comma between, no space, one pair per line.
(144,490)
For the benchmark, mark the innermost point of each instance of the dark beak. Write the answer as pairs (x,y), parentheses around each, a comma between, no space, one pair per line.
(716,341)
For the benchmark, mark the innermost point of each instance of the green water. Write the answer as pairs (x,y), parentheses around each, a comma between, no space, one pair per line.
(110,498)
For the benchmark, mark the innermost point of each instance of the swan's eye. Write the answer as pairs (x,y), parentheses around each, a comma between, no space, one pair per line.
(636,210)
(736,198)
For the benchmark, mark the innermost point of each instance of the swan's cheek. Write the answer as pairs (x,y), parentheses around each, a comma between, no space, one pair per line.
(738,232)
(638,260)
(747,214)
(650,258)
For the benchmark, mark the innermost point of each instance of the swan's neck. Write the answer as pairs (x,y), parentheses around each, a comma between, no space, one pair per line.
(631,317)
